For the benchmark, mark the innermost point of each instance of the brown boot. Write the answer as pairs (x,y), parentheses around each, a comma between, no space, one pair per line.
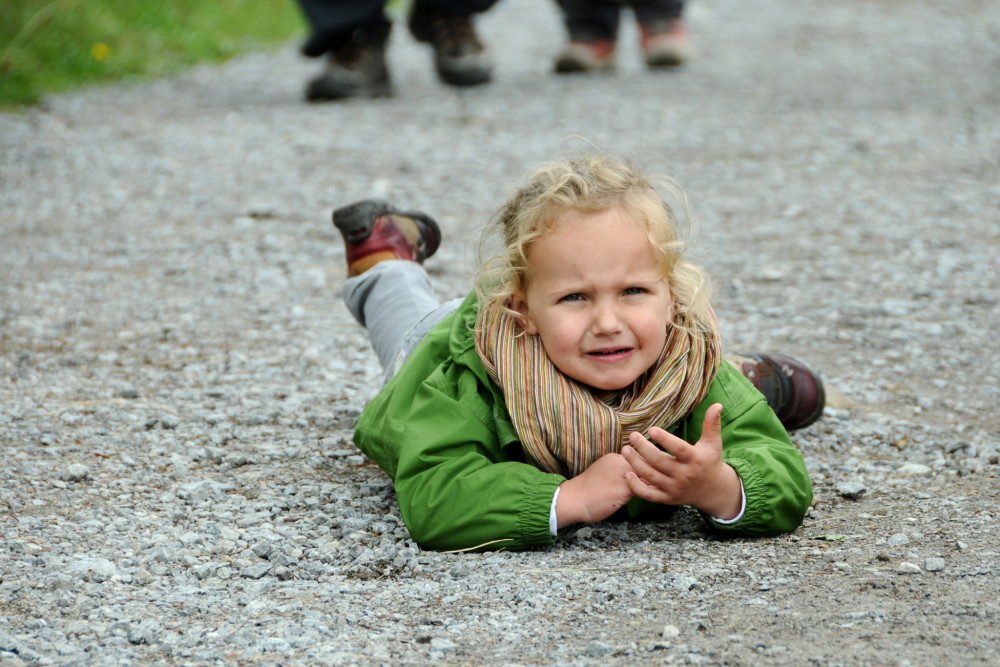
(355,69)
(793,390)
(459,57)
(374,232)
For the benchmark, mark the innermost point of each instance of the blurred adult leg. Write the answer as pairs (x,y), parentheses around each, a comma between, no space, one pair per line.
(591,20)
(592,27)
(332,21)
(447,26)
(649,11)
(354,33)
(664,36)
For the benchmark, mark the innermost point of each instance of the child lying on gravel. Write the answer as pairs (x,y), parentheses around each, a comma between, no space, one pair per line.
(581,378)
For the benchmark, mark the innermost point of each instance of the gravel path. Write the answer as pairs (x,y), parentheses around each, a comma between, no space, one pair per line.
(178,379)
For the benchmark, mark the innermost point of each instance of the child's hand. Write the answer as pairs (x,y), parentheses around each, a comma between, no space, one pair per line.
(687,475)
(596,493)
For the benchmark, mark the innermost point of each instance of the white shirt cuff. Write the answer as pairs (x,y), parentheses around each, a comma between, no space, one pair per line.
(553,523)
(743,509)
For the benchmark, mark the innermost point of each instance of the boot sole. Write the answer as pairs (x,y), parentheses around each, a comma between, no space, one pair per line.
(470,77)
(324,91)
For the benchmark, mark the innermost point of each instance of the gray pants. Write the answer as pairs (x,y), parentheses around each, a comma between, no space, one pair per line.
(395,303)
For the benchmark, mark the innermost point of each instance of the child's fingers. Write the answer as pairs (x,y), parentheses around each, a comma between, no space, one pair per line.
(711,430)
(650,463)
(677,448)
(646,491)
(643,452)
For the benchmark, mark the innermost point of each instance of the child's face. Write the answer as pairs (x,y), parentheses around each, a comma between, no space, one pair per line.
(597,297)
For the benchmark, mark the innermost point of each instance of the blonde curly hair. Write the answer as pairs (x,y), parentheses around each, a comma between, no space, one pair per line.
(587,186)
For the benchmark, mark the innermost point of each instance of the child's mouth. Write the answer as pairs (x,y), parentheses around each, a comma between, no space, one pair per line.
(610,353)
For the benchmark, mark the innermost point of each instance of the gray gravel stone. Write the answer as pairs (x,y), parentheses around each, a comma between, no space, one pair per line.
(899,539)
(75,472)
(144,632)
(934,564)
(97,570)
(598,649)
(851,490)
(256,571)
(442,645)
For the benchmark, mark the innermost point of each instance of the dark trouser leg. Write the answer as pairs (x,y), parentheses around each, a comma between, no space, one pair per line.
(463,7)
(591,20)
(332,21)
(647,11)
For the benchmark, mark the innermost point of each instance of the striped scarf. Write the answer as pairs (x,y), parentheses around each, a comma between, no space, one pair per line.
(564,425)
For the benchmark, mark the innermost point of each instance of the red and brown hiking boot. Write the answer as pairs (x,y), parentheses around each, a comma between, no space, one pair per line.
(793,390)
(375,232)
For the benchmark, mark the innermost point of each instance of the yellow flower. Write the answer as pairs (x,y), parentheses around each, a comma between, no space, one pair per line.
(100,52)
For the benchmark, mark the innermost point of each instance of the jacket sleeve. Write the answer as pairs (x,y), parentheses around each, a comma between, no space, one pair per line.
(457,486)
(775,480)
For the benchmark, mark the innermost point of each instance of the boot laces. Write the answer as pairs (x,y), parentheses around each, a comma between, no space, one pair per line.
(356,51)
(453,33)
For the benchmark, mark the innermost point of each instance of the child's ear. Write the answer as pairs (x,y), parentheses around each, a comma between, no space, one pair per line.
(518,304)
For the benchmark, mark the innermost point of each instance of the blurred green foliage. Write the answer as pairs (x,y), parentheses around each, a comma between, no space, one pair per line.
(54,45)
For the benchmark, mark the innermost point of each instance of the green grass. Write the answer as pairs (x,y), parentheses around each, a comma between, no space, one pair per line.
(48,46)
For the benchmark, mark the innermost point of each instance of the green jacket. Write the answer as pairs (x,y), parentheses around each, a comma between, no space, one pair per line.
(440,428)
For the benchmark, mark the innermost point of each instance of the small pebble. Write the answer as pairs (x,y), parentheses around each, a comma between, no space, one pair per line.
(913,470)
(442,645)
(898,539)
(596,649)
(851,490)
(934,564)
(76,472)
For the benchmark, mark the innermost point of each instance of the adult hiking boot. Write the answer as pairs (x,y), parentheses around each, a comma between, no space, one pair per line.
(356,68)
(666,43)
(792,389)
(459,57)
(586,56)
(374,232)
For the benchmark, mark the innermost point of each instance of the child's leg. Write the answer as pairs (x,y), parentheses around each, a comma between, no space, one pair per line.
(387,289)
(395,303)
(388,300)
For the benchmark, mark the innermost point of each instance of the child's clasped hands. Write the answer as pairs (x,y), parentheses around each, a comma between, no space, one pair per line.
(675,473)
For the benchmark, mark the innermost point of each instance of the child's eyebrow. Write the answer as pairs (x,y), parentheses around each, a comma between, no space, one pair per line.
(559,293)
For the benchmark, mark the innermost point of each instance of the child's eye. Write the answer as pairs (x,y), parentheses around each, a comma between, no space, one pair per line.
(635,290)
(572,297)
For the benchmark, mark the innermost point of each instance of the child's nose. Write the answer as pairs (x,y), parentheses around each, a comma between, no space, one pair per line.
(606,319)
